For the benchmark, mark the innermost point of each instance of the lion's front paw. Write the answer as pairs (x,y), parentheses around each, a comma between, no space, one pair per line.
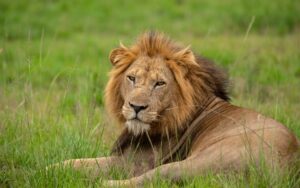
(119,183)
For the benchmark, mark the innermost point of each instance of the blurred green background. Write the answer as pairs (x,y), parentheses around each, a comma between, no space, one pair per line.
(54,65)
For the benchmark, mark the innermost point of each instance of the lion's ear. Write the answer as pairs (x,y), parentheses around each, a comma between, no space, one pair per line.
(185,57)
(186,60)
(117,54)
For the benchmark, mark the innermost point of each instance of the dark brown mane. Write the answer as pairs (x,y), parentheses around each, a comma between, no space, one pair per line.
(219,79)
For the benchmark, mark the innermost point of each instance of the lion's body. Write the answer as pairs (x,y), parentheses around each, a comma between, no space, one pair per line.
(233,139)
(178,120)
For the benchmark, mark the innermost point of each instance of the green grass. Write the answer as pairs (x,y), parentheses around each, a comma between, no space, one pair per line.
(54,64)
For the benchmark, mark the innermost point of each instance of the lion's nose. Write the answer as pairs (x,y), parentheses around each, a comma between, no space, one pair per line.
(138,108)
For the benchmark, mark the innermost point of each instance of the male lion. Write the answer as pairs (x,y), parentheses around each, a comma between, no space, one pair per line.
(178,120)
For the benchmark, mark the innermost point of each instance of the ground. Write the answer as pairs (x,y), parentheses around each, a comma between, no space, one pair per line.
(54,65)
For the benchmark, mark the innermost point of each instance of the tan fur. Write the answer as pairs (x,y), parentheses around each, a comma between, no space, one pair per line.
(186,126)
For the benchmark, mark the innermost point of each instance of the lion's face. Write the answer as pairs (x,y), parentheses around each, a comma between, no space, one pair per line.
(157,85)
(147,88)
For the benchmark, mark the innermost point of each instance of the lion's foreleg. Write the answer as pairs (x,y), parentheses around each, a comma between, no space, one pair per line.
(208,161)
(91,166)
(172,171)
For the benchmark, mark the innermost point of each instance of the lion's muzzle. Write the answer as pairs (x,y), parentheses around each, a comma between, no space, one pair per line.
(138,108)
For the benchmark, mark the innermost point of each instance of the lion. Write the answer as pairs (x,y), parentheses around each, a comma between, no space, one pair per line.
(177,118)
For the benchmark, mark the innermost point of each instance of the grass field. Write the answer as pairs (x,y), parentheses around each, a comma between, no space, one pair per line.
(54,64)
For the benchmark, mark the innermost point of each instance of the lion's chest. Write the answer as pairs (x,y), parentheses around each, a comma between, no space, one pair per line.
(143,156)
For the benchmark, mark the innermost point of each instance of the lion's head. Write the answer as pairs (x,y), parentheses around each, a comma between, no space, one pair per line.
(156,85)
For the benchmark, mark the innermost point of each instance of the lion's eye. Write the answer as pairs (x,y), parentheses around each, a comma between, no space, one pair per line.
(131,78)
(159,83)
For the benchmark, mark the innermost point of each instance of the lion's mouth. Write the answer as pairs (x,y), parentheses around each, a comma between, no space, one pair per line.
(136,126)
(136,118)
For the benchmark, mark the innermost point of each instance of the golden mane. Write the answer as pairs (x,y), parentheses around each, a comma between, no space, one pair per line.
(197,78)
